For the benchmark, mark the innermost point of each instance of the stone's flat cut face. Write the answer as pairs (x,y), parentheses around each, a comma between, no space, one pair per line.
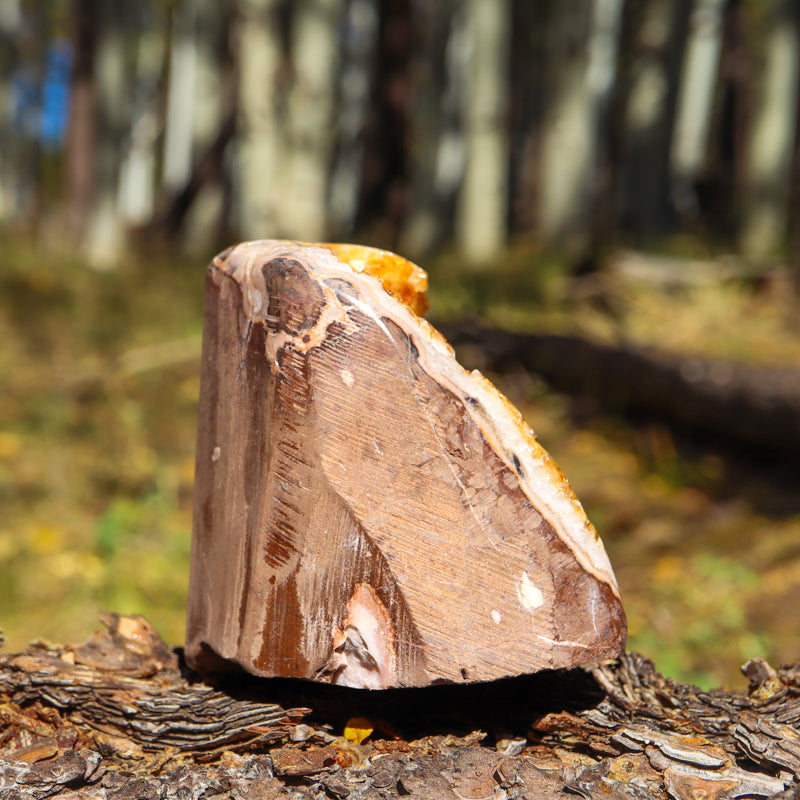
(367,512)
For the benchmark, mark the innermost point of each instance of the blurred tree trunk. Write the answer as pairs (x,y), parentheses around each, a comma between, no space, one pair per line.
(315,27)
(436,141)
(772,142)
(656,35)
(385,172)
(565,159)
(81,133)
(106,233)
(581,70)
(10,21)
(360,27)
(529,47)
(138,167)
(481,224)
(181,96)
(717,189)
(260,150)
(696,103)
(210,112)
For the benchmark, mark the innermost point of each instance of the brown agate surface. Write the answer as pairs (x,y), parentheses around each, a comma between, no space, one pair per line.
(367,512)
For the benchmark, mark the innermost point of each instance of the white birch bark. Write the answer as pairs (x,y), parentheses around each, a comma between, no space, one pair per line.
(314,48)
(768,167)
(260,148)
(696,101)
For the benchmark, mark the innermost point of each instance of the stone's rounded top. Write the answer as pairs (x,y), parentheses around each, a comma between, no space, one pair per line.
(400,277)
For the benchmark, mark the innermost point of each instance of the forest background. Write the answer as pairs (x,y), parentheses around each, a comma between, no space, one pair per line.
(619,172)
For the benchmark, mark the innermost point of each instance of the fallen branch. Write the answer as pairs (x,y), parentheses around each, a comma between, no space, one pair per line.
(753,407)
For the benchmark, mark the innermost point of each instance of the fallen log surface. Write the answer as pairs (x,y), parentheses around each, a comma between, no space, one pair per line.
(121,717)
(755,408)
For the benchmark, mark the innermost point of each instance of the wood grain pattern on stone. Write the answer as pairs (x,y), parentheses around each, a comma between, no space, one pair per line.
(368,513)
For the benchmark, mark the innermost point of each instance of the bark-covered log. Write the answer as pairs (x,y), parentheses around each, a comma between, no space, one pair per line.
(120,717)
(755,408)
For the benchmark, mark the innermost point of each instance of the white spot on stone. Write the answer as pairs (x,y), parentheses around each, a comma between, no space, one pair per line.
(497,617)
(530,596)
(215,454)
(347,378)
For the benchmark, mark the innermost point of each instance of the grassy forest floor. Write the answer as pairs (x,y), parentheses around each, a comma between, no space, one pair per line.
(99,377)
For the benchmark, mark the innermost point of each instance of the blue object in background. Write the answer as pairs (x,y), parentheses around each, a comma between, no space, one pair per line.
(55,95)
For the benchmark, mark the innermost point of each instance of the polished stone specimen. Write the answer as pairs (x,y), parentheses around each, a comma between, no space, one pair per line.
(367,512)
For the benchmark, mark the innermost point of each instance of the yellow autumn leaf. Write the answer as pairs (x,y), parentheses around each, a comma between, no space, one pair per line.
(358,729)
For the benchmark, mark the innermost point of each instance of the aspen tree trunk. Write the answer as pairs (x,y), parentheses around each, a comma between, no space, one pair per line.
(261,147)
(209,111)
(582,68)
(314,54)
(178,139)
(210,29)
(696,102)
(106,233)
(383,195)
(769,160)
(138,167)
(482,211)
(566,150)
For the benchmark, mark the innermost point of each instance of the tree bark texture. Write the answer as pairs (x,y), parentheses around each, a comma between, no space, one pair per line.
(121,717)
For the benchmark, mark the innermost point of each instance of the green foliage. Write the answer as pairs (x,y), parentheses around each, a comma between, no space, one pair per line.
(99,382)
(698,607)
